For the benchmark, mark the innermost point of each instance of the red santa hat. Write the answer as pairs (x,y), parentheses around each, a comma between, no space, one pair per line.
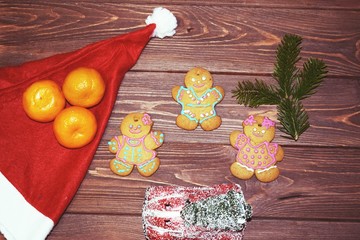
(39,177)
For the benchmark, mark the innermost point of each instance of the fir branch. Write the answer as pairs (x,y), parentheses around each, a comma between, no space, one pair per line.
(287,56)
(293,118)
(256,94)
(293,86)
(312,75)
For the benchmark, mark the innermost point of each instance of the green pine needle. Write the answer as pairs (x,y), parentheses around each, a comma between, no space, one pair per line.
(256,94)
(293,117)
(294,85)
(314,71)
(285,71)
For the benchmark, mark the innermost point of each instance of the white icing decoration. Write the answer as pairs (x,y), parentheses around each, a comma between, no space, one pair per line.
(266,169)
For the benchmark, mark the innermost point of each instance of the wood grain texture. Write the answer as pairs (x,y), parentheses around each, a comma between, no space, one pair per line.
(93,227)
(335,121)
(310,180)
(317,194)
(239,40)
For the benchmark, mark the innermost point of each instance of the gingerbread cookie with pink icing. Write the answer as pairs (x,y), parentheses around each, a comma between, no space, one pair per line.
(198,99)
(136,146)
(256,153)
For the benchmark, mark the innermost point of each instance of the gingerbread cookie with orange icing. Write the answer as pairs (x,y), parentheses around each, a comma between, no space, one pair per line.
(256,153)
(198,99)
(136,146)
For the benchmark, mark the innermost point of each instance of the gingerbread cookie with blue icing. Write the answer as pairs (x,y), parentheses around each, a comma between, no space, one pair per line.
(198,99)
(136,145)
(256,153)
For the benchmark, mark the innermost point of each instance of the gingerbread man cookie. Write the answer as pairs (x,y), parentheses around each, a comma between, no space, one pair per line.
(256,154)
(136,146)
(198,99)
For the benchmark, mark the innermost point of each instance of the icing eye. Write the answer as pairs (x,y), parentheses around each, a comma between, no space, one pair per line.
(255,129)
(193,79)
(131,126)
(139,126)
(263,131)
(203,78)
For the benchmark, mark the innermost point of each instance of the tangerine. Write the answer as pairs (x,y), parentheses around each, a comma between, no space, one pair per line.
(43,100)
(84,87)
(75,127)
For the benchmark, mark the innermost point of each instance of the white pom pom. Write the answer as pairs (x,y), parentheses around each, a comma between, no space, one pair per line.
(165,22)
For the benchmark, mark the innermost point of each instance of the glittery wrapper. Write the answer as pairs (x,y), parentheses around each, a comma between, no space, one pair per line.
(218,212)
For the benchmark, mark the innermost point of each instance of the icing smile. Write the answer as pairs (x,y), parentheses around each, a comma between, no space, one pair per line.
(135,130)
(258,135)
(199,85)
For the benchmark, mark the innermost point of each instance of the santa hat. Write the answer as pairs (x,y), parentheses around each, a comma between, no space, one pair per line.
(39,177)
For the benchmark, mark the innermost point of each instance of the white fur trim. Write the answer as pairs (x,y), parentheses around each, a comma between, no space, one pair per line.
(19,220)
(165,21)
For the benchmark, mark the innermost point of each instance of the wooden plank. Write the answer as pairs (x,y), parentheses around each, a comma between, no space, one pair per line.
(335,122)
(77,226)
(315,183)
(292,229)
(305,4)
(245,43)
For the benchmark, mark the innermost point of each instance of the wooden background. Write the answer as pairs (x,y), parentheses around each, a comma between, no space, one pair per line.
(316,196)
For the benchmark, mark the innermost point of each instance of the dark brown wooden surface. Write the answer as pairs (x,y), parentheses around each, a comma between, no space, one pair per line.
(316,196)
